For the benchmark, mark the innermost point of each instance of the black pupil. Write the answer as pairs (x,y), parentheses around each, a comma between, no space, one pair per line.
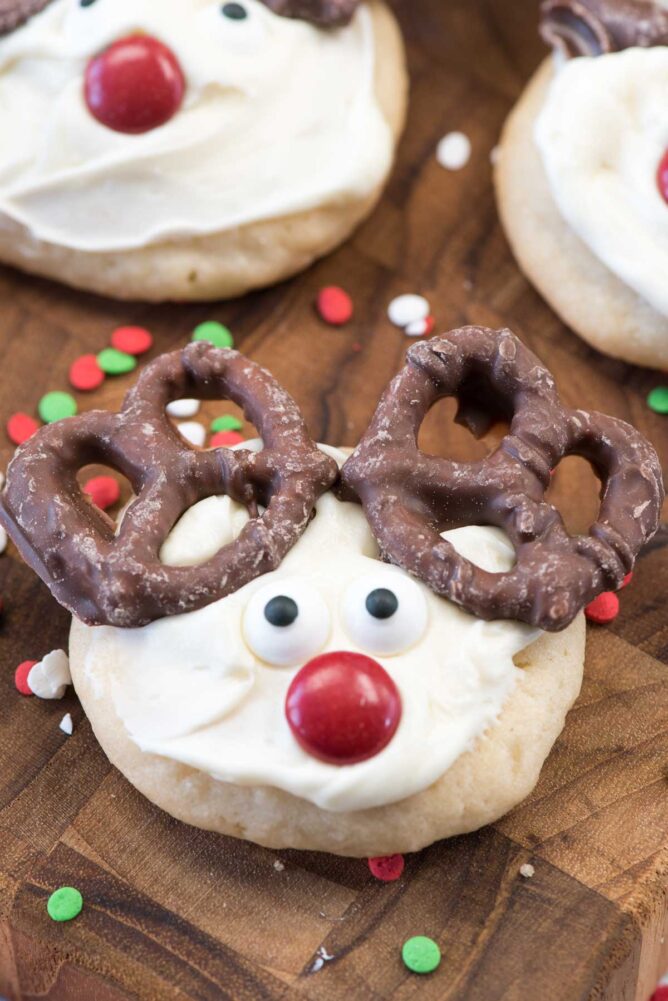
(382,603)
(235,11)
(86,3)
(281,611)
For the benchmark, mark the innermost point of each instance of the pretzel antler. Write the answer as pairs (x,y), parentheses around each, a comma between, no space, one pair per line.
(117,578)
(598,27)
(330,13)
(409,498)
(14,13)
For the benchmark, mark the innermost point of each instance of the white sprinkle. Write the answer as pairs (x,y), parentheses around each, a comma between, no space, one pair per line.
(50,677)
(408,309)
(278,865)
(495,155)
(66,724)
(3,539)
(322,957)
(418,328)
(183,408)
(454,151)
(2,480)
(527,870)
(194,432)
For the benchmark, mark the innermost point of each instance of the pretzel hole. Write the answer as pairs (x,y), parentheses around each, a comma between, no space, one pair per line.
(92,473)
(235,426)
(575,491)
(446,437)
(203,530)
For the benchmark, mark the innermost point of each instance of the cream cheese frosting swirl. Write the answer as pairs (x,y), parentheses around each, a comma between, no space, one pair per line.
(198,688)
(250,142)
(602,134)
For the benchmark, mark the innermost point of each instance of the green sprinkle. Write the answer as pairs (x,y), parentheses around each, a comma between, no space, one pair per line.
(421,954)
(115,362)
(55,406)
(658,400)
(215,333)
(65,904)
(227,423)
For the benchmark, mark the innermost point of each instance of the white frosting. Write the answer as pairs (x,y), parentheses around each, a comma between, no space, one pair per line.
(602,133)
(191,689)
(279,117)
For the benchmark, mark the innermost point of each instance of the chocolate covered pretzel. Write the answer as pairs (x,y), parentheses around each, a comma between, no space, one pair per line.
(409,498)
(330,13)
(14,13)
(116,577)
(598,27)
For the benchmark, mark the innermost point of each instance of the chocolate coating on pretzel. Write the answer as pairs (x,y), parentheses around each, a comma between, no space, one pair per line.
(329,13)
(14,13)
(109,578)
(598,27)
(410,498)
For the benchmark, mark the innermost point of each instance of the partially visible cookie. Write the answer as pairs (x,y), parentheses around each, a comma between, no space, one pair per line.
(580,203)
(228,178)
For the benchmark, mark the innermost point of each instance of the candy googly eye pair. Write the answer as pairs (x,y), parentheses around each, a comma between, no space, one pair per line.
(288,622)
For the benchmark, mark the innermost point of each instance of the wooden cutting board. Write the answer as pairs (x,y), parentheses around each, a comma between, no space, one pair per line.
(174,913)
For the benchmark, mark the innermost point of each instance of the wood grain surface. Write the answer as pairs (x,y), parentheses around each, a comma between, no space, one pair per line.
(172,913)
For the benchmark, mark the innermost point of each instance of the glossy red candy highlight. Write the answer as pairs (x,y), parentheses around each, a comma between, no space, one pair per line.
(135,85)
(343,708)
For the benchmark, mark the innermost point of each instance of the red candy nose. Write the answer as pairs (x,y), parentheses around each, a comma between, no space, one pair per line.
(343,708)
(135,85)
(663,176)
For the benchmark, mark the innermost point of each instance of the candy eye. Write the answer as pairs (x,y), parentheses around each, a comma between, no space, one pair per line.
(385,612)
(286,623)
(234,11)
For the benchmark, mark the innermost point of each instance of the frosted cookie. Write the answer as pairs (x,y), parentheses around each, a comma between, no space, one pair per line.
(357,654)
(192,149)
(582,176)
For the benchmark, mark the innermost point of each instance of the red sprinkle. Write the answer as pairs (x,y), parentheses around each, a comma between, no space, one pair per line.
(104,491)
(334,305)
(86,374)
(225,439)
(21,677)
(20,427)
(132,340)
(603,609)
(627,580)
(387,867)
(660,994)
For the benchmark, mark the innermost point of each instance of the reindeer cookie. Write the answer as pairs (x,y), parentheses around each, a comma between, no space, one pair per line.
(582,178)
(358,654)
(191,149)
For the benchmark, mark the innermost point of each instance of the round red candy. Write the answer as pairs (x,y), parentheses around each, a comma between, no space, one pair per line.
(660,994)
(86,374)
(334,305)
(387,867)
(343,708)
(20,427)
(662,176)
(225,439)
(104,491)
(603,609)
(135,85)
(21,677)
(132,340)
